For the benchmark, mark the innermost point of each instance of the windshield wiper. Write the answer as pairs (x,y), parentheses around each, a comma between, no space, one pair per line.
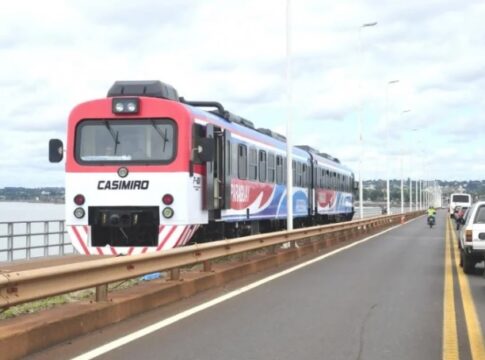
(163,136)
(113,135)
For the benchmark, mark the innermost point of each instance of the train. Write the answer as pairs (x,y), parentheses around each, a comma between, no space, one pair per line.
(147,170)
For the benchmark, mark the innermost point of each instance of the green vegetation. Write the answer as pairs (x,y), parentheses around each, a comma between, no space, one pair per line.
(48,303)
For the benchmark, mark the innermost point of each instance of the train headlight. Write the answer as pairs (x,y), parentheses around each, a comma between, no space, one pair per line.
(126,106)
(119,107)
(79,213)
(167,212)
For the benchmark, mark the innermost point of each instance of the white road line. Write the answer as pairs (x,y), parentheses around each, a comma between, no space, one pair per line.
(184,314)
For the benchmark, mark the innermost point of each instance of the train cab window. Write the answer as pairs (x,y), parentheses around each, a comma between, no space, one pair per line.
(127,141)
(279,169)
(242,162)
(271,168)
(262,166)
(253,164)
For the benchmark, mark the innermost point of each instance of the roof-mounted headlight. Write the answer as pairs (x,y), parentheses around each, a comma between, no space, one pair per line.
(126,106)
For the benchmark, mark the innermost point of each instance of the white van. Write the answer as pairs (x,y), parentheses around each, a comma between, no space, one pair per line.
(459,199)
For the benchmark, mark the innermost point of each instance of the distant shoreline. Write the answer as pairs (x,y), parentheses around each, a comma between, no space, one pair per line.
(34,201)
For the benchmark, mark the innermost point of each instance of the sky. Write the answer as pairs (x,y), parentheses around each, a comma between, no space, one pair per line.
(57,54)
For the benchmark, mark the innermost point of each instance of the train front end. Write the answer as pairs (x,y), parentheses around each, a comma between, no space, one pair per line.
(130,186)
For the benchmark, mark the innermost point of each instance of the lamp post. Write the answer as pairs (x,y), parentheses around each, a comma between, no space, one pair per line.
(289,170)
(402,174)
(410,193)
(387,145)
(361,141)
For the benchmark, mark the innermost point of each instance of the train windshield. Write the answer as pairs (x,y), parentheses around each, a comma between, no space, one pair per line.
(126,141)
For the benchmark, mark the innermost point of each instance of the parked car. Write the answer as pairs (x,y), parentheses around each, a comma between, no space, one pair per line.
(472,237)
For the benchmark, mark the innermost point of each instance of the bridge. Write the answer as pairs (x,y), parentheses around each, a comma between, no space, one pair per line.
(382,289)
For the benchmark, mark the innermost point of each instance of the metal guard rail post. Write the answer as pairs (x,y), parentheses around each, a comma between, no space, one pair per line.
(24,286)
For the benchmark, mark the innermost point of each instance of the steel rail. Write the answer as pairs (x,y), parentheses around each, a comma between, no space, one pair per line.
(23,286)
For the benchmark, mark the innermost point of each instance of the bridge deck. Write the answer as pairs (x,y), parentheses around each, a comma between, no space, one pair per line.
(380,299)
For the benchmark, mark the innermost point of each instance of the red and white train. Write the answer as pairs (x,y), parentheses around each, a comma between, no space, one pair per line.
(147,170)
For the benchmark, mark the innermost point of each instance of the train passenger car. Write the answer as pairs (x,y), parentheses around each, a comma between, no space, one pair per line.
(147,170)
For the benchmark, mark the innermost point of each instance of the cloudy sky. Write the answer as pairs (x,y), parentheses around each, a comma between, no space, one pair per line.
(56,54)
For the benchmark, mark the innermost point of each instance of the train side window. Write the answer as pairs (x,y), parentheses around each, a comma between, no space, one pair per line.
(298,174)
(271,168)
(198,132)
(262,166)
(304,176)
(242,162)
(253,164)
(285,171)
(279,169)
(234,158)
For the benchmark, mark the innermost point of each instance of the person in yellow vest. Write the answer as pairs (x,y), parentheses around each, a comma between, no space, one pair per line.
(431,214)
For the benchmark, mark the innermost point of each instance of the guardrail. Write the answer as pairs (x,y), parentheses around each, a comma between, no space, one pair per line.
(24,240)
(29,239)
(24,286)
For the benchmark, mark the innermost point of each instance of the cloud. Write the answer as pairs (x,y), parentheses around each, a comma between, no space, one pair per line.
(213,50)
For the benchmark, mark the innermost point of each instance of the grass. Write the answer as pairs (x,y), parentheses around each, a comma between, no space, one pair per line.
(51,302)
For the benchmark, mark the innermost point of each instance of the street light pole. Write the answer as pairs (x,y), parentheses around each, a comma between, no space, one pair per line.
(402,174)
(387,145)
(289,170)
(410,193)
(361,141)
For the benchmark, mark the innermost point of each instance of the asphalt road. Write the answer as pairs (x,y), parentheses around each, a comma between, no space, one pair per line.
(381,299)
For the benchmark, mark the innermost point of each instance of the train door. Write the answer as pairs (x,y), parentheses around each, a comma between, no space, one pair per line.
(218,175)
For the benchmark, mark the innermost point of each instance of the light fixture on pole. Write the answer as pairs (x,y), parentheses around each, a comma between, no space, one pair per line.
(289,170)
(390,82)
(361,141)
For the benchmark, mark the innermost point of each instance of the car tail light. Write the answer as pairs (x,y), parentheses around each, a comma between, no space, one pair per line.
(468,235)
(167,199)
(79,199)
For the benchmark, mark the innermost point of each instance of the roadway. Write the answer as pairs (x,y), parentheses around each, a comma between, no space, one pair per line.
(383,298)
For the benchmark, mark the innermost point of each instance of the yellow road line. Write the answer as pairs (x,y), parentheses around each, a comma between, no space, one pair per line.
(477,346)
(450,338)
